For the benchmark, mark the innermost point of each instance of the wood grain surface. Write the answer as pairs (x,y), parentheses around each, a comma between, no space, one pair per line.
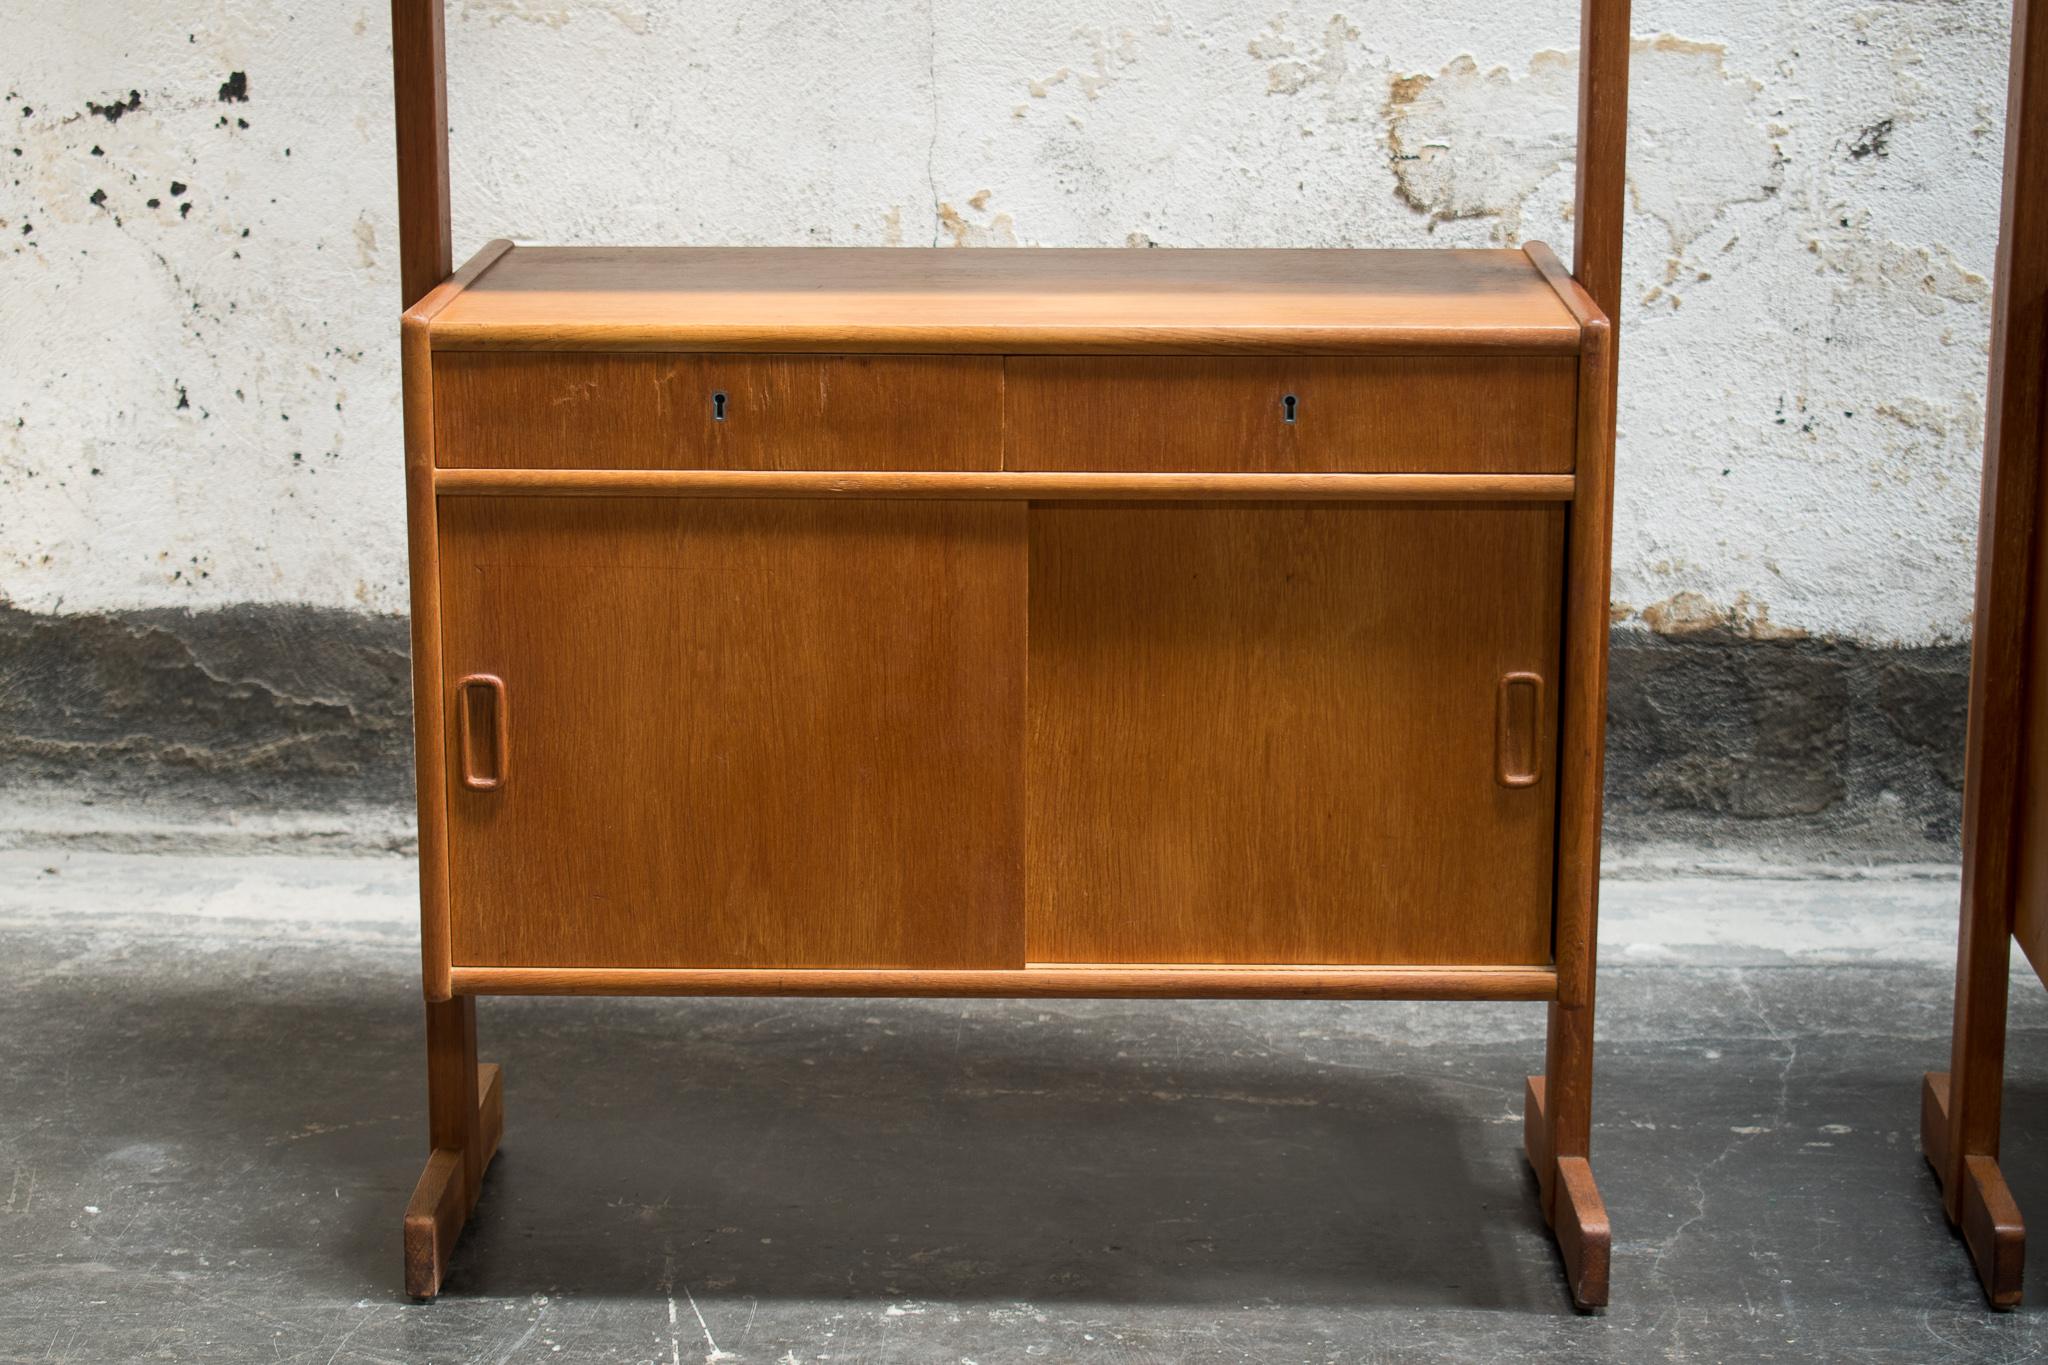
(742,733)
(1388,414)
(1265,733)
(1001,301)
(686,410)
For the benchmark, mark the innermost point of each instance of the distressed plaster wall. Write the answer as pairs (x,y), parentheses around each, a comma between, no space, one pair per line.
(198,380)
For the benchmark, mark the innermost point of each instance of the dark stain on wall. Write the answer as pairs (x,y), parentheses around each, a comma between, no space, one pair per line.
(1802,748)
(1875,140)
(1853,751)
(252,707)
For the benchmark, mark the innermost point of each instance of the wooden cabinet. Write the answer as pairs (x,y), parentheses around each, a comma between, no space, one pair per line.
(1118,623)
(791,732)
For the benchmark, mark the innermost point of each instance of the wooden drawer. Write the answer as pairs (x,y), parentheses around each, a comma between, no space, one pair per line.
(1382,414)
(669,410)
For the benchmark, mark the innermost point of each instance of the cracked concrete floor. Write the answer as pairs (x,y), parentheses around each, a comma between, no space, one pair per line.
(211,1114)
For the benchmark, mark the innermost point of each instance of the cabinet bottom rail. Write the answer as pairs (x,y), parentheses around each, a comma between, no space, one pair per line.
(1071,980)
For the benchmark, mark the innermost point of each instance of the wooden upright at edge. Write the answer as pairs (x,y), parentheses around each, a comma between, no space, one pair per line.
(1034,622)
(2005,796)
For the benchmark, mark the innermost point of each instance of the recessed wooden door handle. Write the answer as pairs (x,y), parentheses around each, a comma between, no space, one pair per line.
(1517,719)
(486,772)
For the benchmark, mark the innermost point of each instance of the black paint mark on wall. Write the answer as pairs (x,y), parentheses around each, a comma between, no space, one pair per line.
(1876,140)
(113,112)
(235,89)
(1806,748)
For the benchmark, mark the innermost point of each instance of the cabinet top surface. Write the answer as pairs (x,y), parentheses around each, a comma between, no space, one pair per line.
(1001,300)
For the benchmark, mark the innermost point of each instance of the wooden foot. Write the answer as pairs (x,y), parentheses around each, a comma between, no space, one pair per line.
(1571,1205)
(442,1201)
(1986,1214)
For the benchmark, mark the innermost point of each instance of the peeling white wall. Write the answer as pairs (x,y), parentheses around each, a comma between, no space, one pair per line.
(198,385)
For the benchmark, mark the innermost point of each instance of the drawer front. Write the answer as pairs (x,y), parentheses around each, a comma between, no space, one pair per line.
(1383,414)
(603,410)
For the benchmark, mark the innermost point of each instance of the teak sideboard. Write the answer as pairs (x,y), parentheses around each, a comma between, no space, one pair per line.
(1006,623)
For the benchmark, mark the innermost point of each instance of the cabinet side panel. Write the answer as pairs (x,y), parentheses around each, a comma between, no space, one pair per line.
(1271,733)
(741,733)
(423,563)
(1588,618)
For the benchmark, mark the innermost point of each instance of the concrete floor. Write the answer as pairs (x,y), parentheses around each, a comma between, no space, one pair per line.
(211,1114)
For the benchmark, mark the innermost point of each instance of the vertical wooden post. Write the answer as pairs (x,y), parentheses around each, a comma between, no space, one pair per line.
(1558,1110)
(452,1096)
(465,1108)
(1959,1112)
(419,81)
(465,1116)
(1601,197)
